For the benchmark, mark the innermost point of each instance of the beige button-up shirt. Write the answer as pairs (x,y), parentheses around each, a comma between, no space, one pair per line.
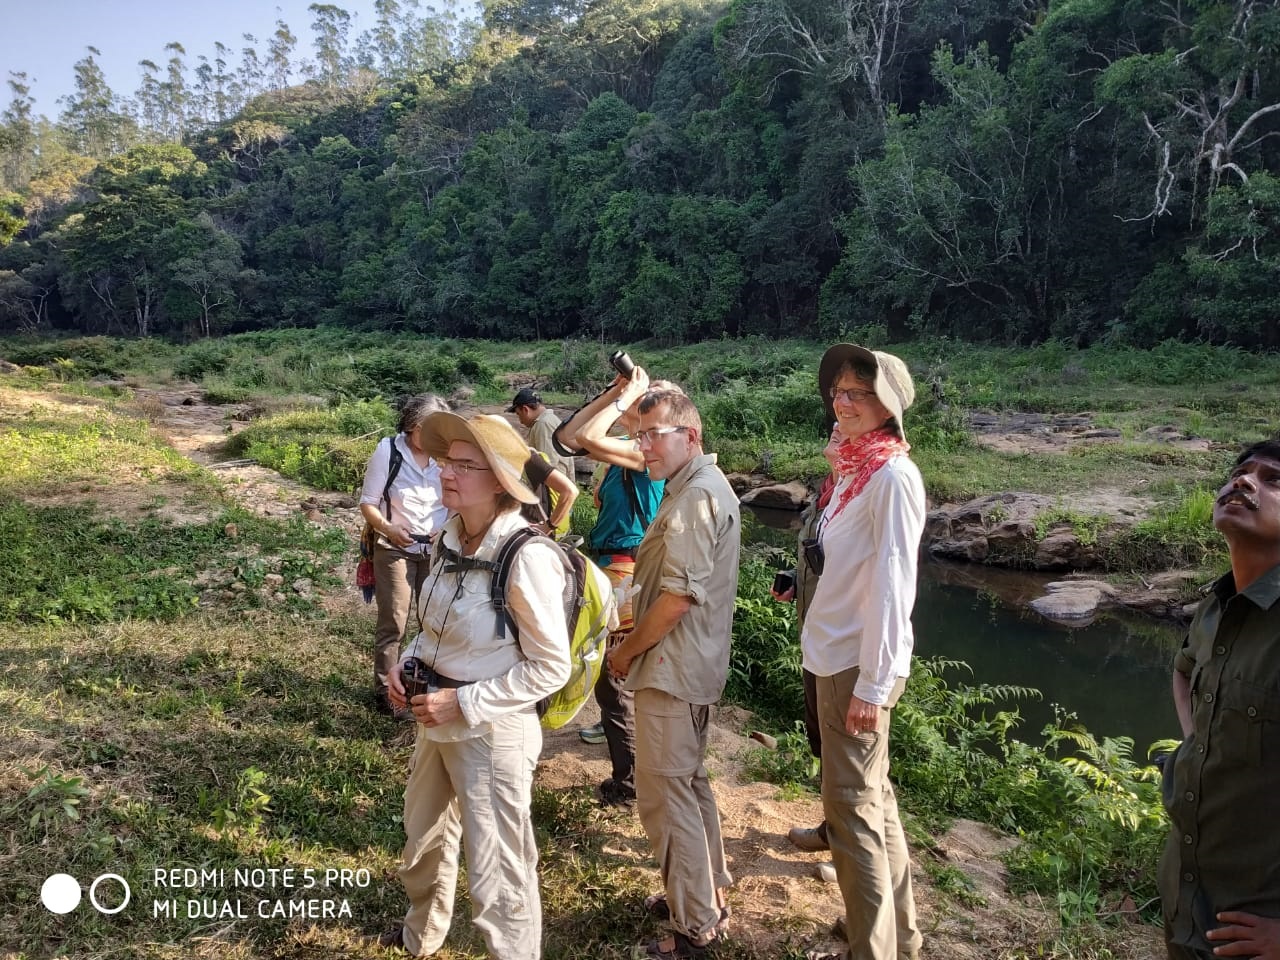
(691,549)
(540,439)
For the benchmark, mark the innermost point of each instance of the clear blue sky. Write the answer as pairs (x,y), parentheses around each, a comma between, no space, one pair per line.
(45,38)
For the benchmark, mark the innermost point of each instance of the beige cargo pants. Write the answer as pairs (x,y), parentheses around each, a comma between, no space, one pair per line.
(476,791)
(868,848)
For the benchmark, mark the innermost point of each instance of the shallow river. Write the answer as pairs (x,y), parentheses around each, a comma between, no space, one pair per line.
(1114,673)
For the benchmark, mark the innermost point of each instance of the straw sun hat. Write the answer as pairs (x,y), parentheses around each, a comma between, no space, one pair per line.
(502,448)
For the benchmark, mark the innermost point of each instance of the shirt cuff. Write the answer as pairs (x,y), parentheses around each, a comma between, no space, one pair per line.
(877,693)
(466,704)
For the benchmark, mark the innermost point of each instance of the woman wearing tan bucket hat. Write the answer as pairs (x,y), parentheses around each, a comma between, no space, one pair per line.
(857,640)
(478,735)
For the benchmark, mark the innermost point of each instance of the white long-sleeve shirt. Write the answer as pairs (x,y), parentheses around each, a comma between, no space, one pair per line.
(459,636)
(860,615)
(414,495)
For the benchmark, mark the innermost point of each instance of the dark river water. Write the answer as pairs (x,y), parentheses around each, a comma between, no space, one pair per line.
(1113,674)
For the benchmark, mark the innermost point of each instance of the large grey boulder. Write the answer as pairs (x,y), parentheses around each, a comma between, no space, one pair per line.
(1073,601)
(778,496)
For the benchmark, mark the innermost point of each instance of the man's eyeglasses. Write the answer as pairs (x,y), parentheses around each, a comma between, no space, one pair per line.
(852,395)
(461,466)
(648,436)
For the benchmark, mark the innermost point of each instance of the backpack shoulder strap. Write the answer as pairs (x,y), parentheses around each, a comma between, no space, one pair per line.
(503,563)
(574,579)
(394,462)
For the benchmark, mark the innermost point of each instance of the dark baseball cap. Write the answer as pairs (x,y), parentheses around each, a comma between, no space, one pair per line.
(527,397)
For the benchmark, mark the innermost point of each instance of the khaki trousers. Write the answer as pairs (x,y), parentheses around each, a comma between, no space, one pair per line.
(476,790)
(678,809)
(397,579)
(868,848)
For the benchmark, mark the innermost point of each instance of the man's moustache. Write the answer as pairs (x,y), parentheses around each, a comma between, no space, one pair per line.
(1239,495)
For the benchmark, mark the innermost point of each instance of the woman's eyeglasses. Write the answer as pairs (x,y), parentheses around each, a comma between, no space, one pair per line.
(648,436)
(460,466)
(852,395)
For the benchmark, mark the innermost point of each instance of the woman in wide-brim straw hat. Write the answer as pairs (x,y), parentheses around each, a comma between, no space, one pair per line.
(478,734)
(857,639)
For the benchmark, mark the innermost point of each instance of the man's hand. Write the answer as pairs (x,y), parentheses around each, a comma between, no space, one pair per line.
(785,597)
(619,663)
(433,709)
(1247,935)
(862,717)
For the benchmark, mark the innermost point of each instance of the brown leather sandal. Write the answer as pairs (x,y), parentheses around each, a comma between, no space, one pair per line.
(658,906)
(682,948)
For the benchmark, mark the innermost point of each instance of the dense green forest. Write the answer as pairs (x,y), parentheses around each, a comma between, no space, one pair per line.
(996,170)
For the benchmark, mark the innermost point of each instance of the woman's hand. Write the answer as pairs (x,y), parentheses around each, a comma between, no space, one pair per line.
(633,387)
(399,535)
(395,689)
(862,717)
(433,709)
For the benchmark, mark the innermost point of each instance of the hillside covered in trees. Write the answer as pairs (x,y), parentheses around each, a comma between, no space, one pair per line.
(1004,170)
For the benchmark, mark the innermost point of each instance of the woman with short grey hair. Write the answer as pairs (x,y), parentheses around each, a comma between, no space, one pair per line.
(400,500)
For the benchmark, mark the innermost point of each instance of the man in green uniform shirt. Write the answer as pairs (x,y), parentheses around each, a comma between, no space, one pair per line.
(1220,873)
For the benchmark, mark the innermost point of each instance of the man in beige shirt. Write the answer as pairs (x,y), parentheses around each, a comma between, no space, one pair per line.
(677,660)
(541,422)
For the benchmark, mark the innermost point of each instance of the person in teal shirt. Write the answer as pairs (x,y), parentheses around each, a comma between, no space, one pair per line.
(627,500)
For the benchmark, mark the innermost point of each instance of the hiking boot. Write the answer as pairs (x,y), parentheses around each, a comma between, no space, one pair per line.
(808,839)
(615,794)
(594,734)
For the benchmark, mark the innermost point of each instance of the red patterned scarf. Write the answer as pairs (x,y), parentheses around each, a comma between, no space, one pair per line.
(860,458)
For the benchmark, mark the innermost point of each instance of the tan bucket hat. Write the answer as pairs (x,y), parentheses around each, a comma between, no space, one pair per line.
(893,384)
(503,449)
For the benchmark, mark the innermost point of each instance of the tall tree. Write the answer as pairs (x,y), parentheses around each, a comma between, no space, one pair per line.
(176,100)
(91,116)
(279,51)
(331,26)
(17,136)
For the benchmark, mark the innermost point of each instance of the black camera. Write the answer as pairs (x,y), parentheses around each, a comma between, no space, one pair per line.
(814,555)
(783,581)
(417,677)
(621,362)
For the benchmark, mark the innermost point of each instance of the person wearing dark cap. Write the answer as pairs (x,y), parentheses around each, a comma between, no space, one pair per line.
(857,641)
(471,775)
(541,422)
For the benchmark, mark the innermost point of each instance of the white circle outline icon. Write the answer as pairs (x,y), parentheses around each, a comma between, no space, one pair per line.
(93,889)
(60,893)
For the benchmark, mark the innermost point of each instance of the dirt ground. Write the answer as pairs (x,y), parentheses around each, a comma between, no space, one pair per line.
(777,899)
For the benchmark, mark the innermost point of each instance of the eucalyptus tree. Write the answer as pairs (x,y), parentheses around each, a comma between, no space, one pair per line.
(279,51)
(91,116)
(17,135)
(331,25)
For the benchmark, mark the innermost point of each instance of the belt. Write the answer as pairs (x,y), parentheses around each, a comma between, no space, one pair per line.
(615,552)
(448,683)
